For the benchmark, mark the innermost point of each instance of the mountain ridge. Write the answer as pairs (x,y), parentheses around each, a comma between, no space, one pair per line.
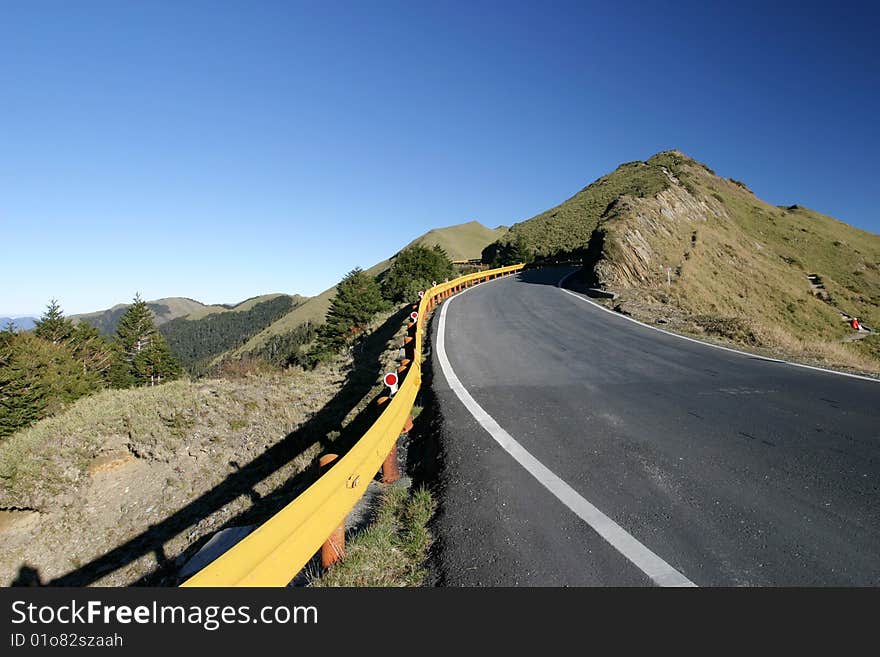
(683,246)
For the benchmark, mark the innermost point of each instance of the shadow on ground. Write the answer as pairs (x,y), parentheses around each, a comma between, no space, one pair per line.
(359,381)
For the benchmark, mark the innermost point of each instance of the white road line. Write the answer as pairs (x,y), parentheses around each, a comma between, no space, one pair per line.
(705,344)
(660,572)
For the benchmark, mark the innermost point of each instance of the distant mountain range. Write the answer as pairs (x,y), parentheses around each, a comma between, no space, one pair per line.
(164,310)
(21,323)
(202,335)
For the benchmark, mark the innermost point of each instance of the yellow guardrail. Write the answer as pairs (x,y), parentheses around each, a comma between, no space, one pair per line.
(276,551)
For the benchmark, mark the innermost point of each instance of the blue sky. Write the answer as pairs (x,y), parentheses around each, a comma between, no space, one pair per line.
(219,150)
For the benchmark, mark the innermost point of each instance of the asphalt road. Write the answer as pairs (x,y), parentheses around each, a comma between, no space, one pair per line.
(728,468)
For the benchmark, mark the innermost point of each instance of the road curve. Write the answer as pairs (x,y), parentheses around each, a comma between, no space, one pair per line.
(729,469)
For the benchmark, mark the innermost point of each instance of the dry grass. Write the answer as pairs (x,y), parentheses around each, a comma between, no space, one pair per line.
(244,416)
(707,250)
(461,242)
(116,466)
(393,549)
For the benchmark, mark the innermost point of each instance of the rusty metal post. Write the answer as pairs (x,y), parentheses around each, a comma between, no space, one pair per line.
(409,424)
(333,549)
(409,347)
(390,467)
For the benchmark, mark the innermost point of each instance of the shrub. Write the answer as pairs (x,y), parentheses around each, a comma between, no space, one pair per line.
(414,269)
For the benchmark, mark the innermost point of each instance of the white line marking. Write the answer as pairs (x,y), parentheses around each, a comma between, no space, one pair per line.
(660,572)
(706,344)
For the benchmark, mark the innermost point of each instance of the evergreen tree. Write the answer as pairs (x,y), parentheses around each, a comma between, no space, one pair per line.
(95,352)
(37,377)
(120,374)
(414,269)
(22,399)
(501,254)
(146,359)
(155,364)
(358,299)
(135,329)
(53,325)
(519,252)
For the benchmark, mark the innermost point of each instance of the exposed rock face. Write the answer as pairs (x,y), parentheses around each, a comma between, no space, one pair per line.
(705,254)
(638,232)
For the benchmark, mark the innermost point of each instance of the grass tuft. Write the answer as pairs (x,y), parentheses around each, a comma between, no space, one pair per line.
(391,551)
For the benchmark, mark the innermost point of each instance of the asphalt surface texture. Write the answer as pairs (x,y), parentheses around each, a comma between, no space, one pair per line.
(734,469)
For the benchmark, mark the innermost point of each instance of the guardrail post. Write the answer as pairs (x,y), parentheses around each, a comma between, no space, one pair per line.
(333,549)
(390,467)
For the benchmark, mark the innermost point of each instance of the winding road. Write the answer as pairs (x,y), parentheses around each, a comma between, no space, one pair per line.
(581,448)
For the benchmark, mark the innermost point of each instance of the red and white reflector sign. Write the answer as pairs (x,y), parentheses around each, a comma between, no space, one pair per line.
(421,293)
(391,381)
(414,315)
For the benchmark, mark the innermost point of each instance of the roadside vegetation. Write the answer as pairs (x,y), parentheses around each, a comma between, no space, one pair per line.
(392,551)
(120,482)
(44,370)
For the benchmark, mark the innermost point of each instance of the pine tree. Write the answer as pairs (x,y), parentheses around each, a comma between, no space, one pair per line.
(146,359)
(155,364)
(95,352)
(22,399)
(135,329)
(358,299)
(37,378)
(519,252)
(53,325)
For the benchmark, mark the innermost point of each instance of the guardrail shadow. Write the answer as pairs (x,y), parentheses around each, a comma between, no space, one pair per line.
(358,383)
(546,275)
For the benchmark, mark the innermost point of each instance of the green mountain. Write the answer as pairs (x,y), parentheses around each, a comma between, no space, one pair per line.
(701,253)
(195,341)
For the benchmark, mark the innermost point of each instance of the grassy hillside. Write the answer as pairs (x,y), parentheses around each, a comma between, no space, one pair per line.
(706,256)
(568,226)
(195,342)
(119,464)
(242,306)
(460,242)
(124,485)
(463,241)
